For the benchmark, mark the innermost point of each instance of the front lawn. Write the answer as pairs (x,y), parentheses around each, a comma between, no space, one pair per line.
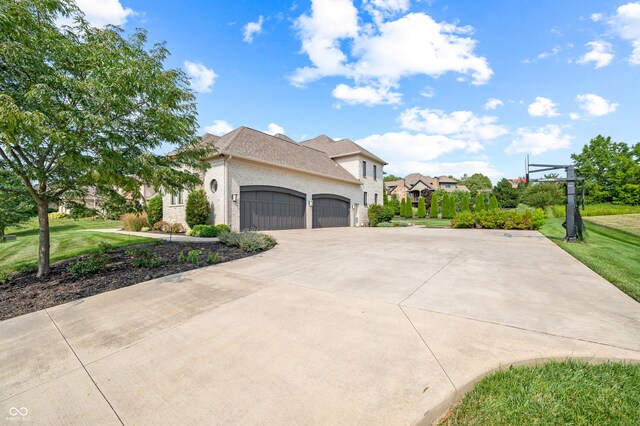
(557,393)
(69,238)
(428,222)
(611,253)
(624,222)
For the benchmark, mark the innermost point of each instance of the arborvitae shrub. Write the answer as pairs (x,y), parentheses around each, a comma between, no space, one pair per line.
(422,209)
(464,206)
(197,208)
(493,203)
(480,206)
(433,210)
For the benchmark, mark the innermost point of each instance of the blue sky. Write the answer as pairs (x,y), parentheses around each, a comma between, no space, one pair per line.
(436,87)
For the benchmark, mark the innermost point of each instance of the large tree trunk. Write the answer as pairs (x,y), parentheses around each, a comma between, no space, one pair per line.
(1,233)
(44,247)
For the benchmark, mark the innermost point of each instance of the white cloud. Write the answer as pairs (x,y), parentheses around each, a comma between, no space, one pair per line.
(461,124)
(102,13)
(596,17)
(537,141)
(202,78)
(543,55)
(493,103)
(626,24)
(600,54)
(367,95)
(596,105)
(574,116)
(405,146)
(542,107)
(274,129)
(383,53)
(219,128)
(251,29)
(428,92)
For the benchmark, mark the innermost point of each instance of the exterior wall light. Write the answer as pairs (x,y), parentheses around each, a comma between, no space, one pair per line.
(310,203)
(234,198)
(353,206)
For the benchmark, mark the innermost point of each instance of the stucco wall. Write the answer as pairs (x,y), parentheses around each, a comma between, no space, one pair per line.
(242,173)
(353,164)
(218,199)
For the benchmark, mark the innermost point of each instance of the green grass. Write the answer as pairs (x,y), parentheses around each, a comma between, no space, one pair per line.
(557,393)
(69,238)
(428,222)
(611,253)
(624,222)
(598,210)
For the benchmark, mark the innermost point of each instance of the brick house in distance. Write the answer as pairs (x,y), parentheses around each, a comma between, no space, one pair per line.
(416,185)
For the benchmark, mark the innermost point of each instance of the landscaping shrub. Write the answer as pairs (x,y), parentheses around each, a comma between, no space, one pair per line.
(422,209)
(464,219)
(544,194)
(251,242)
(409,212)
(197,208)
(205,231)
(214,259)
(493,203)
(378,213)
(480,206)
(395,205)
(194,256)
(181,257)
(448,207)
(134,222)
(160,225)
(58,215)
(154,209)
(464,205)
(223,228)
(500,219)
(385,225)
(433,210)
(176,228)
(144,258)
(88,266)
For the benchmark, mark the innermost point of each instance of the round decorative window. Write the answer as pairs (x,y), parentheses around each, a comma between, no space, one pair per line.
(213,185)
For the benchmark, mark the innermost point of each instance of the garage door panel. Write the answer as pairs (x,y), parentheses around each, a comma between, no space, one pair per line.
(331,212)
(272,208)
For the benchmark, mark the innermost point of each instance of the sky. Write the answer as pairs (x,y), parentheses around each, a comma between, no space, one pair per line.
(435,87)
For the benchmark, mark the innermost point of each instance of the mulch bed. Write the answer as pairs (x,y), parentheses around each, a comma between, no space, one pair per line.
(25,293)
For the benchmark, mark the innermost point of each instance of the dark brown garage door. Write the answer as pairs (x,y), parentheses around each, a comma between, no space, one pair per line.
(330,211)
(270,208)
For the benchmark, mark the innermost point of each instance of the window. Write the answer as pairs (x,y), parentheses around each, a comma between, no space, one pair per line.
(177,198)
(375,172)
(364,168)
(213,185)
(365,199)
(375,196)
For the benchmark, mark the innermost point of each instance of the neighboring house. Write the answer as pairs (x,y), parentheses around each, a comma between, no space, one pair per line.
(93,200)
(259,181)
(416,185)
(515,182)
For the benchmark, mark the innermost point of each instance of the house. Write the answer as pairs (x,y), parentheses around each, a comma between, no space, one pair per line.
(517,181)
(416,185)
(257,181)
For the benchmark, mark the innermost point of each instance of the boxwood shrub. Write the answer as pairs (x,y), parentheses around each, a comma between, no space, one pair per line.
(379,213)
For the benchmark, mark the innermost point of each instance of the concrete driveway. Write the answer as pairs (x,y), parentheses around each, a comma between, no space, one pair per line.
(335,326)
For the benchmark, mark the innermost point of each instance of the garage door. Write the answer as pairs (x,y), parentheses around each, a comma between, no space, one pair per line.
(330,211)
(270,208)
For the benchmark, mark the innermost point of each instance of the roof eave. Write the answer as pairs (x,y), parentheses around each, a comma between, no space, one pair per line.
(364,154)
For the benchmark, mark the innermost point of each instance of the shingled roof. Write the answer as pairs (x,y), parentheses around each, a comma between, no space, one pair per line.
(251,144)
(341,148)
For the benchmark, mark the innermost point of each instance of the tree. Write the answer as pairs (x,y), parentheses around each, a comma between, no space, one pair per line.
(408,208)
(544,194)
(16,206)
(477,182)
(446,207)
(480,206)
(385,197)
(433,209)
(154,209)
(493,203)
(422,209)
(611,169)
(197,208)
(83,107)
(464,205)
(390,178)
(506,194)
